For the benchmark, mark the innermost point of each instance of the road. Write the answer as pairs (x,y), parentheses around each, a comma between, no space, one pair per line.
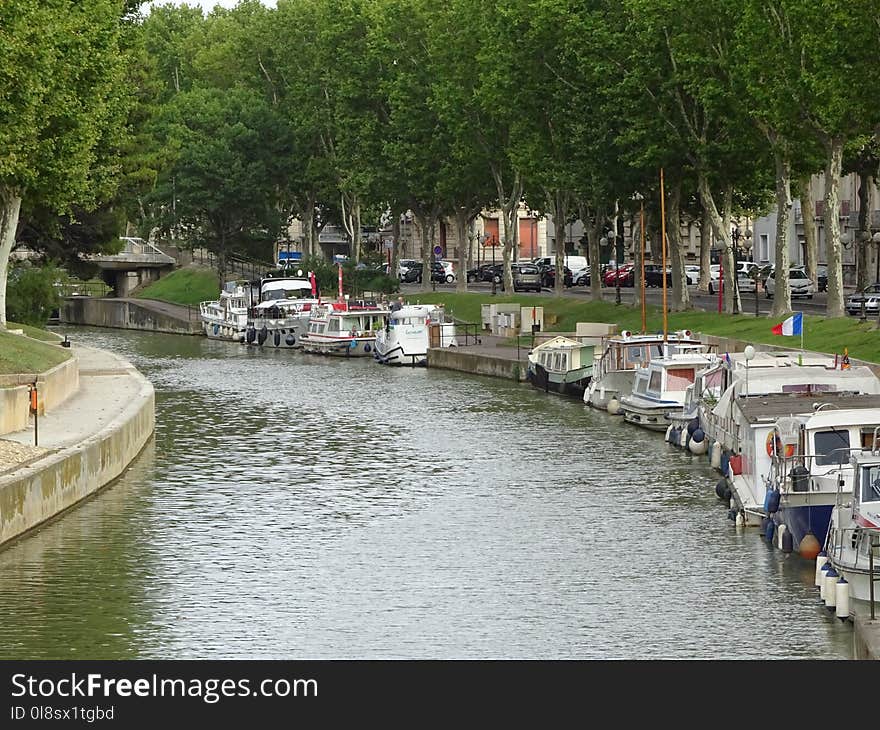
(700,301)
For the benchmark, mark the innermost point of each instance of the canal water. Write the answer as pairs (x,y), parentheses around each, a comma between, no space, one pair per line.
(292,506)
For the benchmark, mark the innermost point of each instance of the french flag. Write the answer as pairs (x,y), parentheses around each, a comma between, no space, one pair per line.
(794,325)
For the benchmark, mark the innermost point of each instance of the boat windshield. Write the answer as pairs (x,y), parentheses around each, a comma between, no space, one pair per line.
(871,483)
(832,447)
(275,294)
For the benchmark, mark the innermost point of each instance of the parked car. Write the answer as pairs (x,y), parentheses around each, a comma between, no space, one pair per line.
(581,277)
(800,284)
(449,269)
(412,274)
(440,274)
(870,295)
(526,277)
(822,278)
(654,275)
(403,266)
(548,276)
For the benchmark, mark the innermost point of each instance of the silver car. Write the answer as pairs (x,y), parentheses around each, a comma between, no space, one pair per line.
(869,296)
(799,283)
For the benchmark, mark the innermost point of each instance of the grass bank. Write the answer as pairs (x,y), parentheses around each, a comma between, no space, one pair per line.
(821,334)
(27,355)
(189,286)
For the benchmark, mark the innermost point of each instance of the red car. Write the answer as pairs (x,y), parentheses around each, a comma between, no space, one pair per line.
(623,275)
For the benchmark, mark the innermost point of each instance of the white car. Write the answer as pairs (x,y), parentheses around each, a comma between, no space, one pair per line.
(450,271)
(800,284)
(403,266)
(692,271)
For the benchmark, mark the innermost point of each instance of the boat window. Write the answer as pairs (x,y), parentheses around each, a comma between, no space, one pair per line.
(333,325)
(868,438)
(832,447)
(320,329)
(396,321)
(678,379)
(634,354)
(654,385)
(641,385)
(564,361)
(870,484)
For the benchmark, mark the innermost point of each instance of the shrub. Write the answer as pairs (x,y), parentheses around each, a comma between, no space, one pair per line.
(32,293)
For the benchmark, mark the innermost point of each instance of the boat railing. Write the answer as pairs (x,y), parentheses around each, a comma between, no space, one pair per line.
(465,333)
(723,429)
(864,558)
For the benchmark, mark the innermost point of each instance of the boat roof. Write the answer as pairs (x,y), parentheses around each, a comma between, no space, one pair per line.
(276,284)
(416,310)
(767,408)
(682,358)
(560,343)
(765,359)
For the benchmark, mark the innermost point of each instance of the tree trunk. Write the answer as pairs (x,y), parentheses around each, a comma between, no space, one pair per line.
(356,238)
(680,295)
(833,166)
(811,236)
(863,236)
(10,207)
(781,290)
(596,257)
(721,229)
(426,231)
(395,246)
(638,257)
(461,230)
(509,204)
(558,200)
(706,239)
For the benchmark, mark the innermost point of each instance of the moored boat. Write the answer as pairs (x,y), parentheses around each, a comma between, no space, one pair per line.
(614,372)
(661,387)
(853,544)
(226,318)
(344,328)
(410,331)
(282,314)
(562,365)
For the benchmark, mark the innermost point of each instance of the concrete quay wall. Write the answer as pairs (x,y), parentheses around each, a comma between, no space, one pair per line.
(45,487)
(453,358)
(53,388)
(124,314)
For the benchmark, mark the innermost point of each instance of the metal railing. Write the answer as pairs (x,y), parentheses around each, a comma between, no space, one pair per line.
(76,288)
(856,536)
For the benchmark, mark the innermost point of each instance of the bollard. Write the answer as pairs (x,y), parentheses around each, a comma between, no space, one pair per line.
(35,410)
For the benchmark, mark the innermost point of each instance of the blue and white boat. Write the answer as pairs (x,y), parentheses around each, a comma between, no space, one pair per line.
(795,457)
(661,388)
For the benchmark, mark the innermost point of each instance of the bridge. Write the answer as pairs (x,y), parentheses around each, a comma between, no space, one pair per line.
(138,263)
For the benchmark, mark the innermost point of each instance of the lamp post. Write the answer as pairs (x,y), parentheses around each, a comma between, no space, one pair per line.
(749,353)
(603,242)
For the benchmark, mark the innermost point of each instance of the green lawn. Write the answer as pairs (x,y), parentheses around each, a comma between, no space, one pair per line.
(820,333)
(184,286)
(25,355)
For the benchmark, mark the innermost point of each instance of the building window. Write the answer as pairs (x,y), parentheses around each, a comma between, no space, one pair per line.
(764,247)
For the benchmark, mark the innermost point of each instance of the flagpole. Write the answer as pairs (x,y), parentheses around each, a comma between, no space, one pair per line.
(663,249)
(802,331)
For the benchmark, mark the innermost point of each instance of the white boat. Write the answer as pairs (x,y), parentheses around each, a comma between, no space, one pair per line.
(795,457)
(562,365)
(853,544)
(409,332)
(769,373)
(661,387)
(282,314)
(344,328)
(614,372)
(226,318)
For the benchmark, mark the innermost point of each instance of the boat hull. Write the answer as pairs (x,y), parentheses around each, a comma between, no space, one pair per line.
(612,385)
(398,356)
(349,347)
(572,383)
(281,338)
(801,520)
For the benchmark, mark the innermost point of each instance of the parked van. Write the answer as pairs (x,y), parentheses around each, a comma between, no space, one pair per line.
(575,263)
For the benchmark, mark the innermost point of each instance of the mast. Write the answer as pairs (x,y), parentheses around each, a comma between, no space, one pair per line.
(663,249)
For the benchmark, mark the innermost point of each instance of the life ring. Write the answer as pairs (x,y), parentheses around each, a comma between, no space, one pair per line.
(774,440)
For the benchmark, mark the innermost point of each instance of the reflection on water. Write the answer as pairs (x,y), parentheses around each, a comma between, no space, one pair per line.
(292,506)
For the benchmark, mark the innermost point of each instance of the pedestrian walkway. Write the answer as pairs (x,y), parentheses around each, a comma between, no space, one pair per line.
(107,385)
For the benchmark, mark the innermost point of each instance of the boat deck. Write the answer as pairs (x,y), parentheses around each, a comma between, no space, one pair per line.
(767,408)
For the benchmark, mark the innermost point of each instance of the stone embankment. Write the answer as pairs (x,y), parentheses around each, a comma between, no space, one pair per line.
(96,416)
